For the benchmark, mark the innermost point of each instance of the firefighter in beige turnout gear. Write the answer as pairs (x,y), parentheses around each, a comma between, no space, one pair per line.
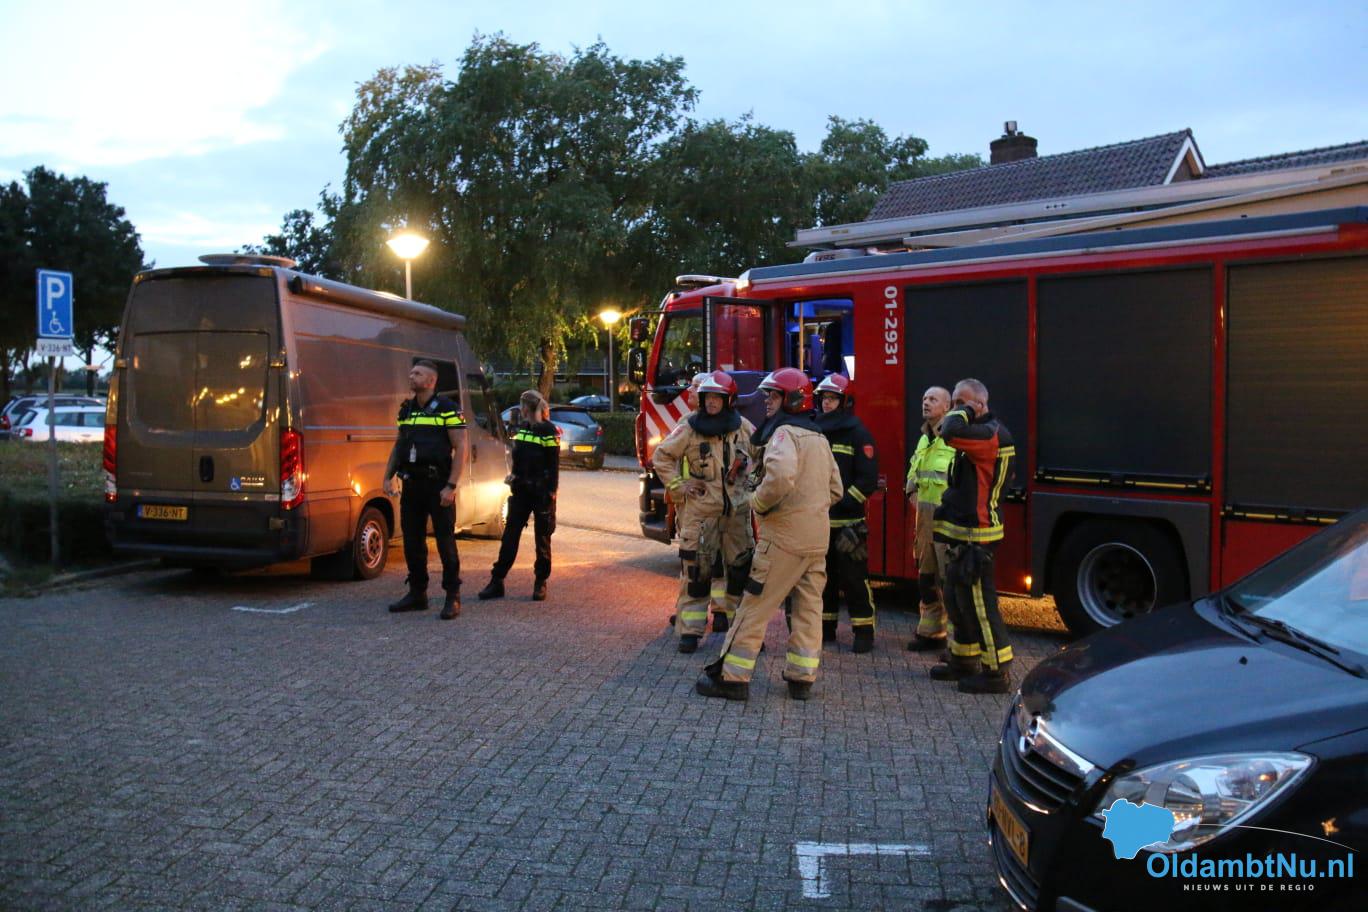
(798,481)
(704,463)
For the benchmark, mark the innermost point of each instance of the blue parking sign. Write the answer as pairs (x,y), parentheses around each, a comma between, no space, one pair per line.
(54,304)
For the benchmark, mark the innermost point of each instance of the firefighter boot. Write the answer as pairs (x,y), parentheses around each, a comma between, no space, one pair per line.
(492,591)
(688,643)
(956,669)
(710,684)
(720,622)
(451,608)
(828,631)
(864,638)
(988,681)
(920,643)
(800,690)
(416,600)
(539,591)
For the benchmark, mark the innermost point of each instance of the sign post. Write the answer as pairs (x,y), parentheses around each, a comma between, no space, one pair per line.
(55,341)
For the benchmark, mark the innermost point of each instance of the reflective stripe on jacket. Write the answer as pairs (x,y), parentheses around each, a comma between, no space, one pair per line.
(929,468)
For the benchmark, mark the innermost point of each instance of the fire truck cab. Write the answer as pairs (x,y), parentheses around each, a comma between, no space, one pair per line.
(1186,399)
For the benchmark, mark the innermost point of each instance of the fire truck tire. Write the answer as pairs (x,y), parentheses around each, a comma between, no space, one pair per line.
(1107,571)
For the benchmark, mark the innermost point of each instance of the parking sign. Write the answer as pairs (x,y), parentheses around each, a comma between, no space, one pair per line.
(54,313)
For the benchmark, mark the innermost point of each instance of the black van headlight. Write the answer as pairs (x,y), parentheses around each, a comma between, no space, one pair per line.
(1207,795)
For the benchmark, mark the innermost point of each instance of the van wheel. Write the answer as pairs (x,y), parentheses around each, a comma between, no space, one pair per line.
(494,526)
(1109,571)
(364,558)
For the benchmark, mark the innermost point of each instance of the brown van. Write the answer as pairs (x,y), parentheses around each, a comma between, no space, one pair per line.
(252,411)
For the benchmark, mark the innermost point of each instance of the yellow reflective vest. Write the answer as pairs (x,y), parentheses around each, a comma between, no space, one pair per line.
(929,469)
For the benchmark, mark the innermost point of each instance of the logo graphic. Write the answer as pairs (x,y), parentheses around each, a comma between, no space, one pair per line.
(1131,827)
(235,484)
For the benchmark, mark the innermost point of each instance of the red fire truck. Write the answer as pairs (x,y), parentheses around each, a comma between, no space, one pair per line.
(1188,401)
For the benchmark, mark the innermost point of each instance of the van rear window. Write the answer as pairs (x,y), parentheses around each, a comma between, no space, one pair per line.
(199,381)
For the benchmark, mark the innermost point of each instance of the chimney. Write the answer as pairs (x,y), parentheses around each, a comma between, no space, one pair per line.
(1011,146)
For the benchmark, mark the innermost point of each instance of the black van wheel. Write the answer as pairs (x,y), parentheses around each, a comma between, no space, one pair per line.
(1108,571)
(364,558)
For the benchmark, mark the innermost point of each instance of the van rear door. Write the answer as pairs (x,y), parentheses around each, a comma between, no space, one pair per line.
(199,395)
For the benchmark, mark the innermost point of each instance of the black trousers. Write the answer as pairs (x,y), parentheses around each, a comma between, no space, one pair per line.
(849,577)
(977,633)
(421,500)
(541,509)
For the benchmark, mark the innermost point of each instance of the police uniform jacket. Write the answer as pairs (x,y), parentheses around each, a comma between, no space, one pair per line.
(536,460)
(424,444)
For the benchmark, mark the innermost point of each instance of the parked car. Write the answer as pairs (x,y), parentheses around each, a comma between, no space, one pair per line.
(16,407)
(280,455)
(75,423)
(581,437)
(1238,723)
(593,403)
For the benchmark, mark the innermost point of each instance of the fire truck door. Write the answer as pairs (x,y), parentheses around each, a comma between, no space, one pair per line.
(742,338)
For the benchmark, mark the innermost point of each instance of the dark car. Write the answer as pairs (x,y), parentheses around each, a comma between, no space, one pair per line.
(1172,761)
(581,437)
(593,402)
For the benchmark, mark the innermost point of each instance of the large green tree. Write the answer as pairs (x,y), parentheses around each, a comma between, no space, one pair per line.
(305,239)
(57,222)
(528,170)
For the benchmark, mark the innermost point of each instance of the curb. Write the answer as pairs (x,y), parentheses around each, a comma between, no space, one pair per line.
(99,573)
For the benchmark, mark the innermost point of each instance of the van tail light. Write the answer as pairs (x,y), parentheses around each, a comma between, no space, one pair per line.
(291,468)
(111,463)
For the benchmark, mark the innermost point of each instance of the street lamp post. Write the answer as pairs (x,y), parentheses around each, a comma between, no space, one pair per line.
(610,318)
(407,246)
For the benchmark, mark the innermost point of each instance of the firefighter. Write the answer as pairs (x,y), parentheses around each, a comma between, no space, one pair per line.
(704,462)
(847,561)
(429,432)
(967,522)
(927,473)
(533,483)
(796,482)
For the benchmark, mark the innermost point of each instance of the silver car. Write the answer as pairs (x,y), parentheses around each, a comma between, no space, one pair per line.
(581,437)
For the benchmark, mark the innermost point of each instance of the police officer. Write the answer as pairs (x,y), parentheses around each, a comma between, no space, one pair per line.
(848,552)
(429,432)
(534,483)
(967,522)
(704,463)
(796,484)
(927,474)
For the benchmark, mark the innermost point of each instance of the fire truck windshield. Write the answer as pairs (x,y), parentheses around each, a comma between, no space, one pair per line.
(681,349)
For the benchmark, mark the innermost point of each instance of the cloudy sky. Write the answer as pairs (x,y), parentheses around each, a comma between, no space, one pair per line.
(209,121)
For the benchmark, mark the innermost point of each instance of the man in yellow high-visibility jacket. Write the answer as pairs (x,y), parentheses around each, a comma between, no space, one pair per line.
(927,476)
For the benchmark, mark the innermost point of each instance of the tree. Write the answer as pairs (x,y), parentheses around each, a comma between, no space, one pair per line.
(527,171)
(68,224)
(308,243)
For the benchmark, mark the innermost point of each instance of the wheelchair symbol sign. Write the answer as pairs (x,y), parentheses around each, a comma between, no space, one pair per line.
(54,304)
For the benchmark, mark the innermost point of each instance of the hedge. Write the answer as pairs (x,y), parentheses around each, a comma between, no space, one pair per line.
(25,534)
(619,432)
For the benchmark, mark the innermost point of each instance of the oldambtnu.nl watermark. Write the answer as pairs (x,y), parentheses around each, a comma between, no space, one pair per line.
(1276,872)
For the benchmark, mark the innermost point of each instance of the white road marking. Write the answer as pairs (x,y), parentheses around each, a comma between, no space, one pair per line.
(811,856)
(290,610)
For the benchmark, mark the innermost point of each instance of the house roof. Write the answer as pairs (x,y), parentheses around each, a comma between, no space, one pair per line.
(1326,155)
(1121,166)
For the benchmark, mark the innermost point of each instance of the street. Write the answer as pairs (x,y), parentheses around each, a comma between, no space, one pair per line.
(266,741)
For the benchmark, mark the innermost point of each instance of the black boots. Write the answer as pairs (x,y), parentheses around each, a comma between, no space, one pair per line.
(688,643)
(538,591)
(987,681)
(800,690)
(720,622)
(920,643)
(828,631)
(864,639)
(451,608)
(491,591)
(955,669)
(416,600)
(710,686)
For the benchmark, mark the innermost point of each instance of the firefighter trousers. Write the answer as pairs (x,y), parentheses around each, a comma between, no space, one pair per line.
(421,499)
(849,577)
(977,633)
(541,509)
(774,574)
(702,541)
(931,620)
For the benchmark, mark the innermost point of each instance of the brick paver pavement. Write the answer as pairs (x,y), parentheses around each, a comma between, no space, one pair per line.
(161,749)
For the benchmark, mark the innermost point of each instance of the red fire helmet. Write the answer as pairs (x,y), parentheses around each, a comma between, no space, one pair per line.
(795,387)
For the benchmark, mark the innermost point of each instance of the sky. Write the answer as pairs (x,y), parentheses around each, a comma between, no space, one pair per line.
(210,121)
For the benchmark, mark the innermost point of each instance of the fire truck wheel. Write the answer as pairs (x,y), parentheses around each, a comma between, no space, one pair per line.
(1107,571)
